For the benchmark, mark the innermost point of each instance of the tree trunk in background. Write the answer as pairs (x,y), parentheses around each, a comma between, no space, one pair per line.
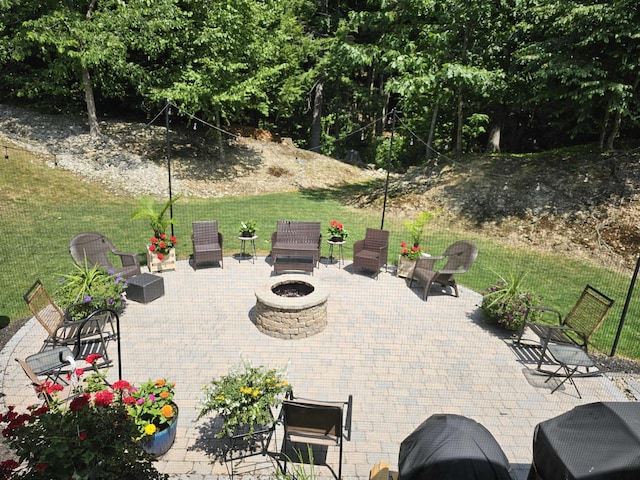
(220,137)
(495,130)
(94,128)
(432,128)
(316,122)
(459,122)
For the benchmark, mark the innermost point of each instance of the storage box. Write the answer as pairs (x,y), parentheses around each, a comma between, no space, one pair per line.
(145,288)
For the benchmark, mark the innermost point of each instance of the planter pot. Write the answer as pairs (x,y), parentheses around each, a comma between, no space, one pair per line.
(157,265)
(405,267)
(247,235)
(160,442)
(336,239)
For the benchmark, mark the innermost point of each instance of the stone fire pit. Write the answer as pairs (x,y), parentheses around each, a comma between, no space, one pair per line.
(302,312)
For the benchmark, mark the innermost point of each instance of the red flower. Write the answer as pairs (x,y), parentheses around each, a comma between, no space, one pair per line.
(154,240)
(129,400)
(9,465)
(163,245)
(79,403)
(121,385)
(163,236)
(94,357)
(82,436)
(173,239)
(152,248)
(160,256)
(41,467)
(403,244)
(103,398)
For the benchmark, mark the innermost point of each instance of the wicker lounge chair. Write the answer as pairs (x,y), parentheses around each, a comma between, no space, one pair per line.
(94,249)
(371,252)
(460,256)
(314,422)
(207,243)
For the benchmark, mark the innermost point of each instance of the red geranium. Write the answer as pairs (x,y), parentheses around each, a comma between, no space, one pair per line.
(162,245)
(103,398)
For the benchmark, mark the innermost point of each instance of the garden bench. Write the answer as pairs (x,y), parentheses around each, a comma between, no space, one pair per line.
(296,239)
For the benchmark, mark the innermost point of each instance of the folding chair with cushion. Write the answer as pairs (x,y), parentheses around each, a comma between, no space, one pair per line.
(576,328)
(93,248)
(460,256)
(48,364)
(207,243)
(371,252)
(314,422)
(89,335)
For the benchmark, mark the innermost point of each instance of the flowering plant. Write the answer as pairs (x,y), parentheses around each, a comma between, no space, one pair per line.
(88,289)
(336,230)
(244,397)
(248,228)
(412,253)
(161,244)
(92,436)
(506,304)
(151,406)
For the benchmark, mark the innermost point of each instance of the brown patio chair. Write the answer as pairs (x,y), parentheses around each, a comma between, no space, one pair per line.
(95,248)
(89,335)
(207,243)
(371,252)
(460,256)
(576,328)
(312,422)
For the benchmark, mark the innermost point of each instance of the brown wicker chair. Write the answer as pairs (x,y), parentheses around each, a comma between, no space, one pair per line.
(371,252)
(94,249)
(460,256)
(207,243)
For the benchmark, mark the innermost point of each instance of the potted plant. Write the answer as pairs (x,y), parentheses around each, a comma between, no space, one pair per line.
(161,253)
(91,436)
(244,398)
(409,254)
(248,229)
(505,303)
(87,289)
(336,231)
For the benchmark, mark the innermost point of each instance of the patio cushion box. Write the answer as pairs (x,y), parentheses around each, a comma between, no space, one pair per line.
(145,288)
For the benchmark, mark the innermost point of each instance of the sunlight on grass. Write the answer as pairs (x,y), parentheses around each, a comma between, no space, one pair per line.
(42,208)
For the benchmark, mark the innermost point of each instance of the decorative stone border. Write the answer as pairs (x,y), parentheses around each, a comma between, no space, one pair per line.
(291,317)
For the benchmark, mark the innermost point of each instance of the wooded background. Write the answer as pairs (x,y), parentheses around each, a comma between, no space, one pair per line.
(458,75)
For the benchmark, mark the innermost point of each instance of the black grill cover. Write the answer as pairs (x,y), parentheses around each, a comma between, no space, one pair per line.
(452,447)
(596,441)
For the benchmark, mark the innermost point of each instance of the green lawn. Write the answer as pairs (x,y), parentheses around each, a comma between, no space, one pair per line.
(42,208)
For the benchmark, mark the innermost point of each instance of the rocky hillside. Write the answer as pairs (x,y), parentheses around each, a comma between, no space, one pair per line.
(582,204)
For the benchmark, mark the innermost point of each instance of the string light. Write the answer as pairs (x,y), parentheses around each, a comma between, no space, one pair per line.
(362,136)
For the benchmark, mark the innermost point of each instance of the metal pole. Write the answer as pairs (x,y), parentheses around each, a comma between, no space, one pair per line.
(166,116)
(386,185)
(626,307)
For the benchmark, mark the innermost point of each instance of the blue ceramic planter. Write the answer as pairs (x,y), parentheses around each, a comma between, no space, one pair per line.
(160,442)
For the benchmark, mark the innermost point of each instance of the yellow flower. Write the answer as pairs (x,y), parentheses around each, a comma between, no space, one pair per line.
(284,383)
(150,429)
(167,411)
(256,392)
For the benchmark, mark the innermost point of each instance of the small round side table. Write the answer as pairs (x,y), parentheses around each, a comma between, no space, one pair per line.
(252,248)
(340,257)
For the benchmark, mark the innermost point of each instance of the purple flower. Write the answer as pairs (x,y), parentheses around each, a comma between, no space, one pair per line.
(87,299)
(152,397)
(140,401)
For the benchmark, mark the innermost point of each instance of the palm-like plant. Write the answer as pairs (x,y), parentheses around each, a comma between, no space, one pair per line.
(148,210)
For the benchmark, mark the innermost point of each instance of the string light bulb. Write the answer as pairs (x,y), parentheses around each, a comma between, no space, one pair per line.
(362,136)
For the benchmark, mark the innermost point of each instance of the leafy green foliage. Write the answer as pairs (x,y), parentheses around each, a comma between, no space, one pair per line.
(506,303)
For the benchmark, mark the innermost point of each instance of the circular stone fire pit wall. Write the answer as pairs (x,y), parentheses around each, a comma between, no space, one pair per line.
(291,317)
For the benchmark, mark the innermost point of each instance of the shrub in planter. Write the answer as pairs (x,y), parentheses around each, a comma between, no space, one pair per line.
(506,304)
(87,289)
(244,397)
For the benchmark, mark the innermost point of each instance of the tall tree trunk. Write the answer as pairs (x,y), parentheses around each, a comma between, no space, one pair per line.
(316,121)
(459,122)
(94,128)
(220,136)
(495,131)
(432,128)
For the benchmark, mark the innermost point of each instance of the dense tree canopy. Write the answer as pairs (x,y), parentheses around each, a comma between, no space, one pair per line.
(460,75)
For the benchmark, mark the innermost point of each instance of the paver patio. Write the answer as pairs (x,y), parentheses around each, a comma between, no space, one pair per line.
(402,359)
